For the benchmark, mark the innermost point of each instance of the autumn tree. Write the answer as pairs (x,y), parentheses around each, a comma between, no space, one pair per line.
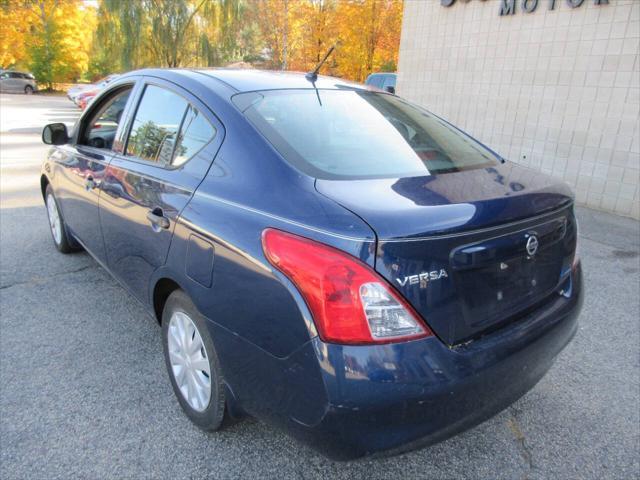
(49,37)
(299,32)
(64,39)
(171,26)
(369,31)
(15,19)
(230,31)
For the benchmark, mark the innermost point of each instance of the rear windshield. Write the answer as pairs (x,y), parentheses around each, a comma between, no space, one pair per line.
(349,134)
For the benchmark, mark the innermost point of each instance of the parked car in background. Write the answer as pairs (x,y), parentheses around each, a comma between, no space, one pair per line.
(322,255)
(76,90)
(383,81)
(85,98)
(17,82)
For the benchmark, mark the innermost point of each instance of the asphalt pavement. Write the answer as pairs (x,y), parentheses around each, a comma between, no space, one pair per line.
(84,392)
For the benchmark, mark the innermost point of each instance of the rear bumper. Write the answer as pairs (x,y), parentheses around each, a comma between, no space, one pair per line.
(402,396)
(352,401)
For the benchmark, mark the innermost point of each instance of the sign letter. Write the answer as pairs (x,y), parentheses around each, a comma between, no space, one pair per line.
(508,7)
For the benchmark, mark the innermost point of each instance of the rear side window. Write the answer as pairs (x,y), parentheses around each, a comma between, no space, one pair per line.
(166,129)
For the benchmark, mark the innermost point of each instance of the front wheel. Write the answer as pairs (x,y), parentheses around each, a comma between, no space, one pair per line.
(192,362)
(56,224)
(28,90)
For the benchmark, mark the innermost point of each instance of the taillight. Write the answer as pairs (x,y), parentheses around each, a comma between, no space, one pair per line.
(350,303)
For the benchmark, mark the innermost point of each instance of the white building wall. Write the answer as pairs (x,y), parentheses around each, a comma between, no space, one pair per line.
(557,90)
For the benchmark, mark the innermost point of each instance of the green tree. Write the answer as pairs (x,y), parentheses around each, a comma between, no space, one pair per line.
(171,28)
(120,34)
(57,39)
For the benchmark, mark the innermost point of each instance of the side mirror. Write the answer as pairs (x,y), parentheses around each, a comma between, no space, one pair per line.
(55,134)
(390,89)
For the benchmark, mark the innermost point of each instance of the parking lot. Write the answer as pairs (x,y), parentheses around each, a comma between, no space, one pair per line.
(84,392)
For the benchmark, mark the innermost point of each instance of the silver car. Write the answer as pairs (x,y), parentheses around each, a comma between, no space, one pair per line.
(17,82)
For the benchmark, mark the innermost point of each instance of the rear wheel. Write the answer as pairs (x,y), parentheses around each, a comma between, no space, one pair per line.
(56,224)
(192,362)
(28,90)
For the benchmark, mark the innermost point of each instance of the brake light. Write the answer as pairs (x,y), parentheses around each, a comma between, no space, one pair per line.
(350,303)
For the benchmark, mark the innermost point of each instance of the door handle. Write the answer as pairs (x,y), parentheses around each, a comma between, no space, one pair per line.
(90,183)
(157,219)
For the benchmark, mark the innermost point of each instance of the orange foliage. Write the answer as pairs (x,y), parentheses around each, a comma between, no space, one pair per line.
(52,36)
(15,21)
(367,33)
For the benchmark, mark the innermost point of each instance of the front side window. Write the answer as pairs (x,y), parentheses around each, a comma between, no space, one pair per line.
(340,134)
(102,127)
(167,129)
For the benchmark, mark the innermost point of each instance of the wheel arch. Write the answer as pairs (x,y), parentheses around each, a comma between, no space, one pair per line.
(163,287)
(44,182)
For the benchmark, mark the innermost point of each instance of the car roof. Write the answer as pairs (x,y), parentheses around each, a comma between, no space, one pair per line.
(246,80)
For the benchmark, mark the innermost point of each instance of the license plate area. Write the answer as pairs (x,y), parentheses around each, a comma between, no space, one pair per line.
(499,276)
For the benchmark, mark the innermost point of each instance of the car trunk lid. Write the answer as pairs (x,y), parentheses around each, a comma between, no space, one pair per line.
(469,250)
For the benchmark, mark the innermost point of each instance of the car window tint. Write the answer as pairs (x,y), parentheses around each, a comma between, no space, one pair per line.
(195,133)
(155,126)
(101,129)
(337,134)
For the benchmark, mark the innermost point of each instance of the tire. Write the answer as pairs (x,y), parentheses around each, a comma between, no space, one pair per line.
(61,239)
(28,90)
(189,379)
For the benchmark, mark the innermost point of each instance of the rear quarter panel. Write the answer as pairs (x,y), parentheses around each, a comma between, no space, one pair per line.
(259,322)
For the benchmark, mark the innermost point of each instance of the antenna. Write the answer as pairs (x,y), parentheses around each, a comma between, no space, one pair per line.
(313,75)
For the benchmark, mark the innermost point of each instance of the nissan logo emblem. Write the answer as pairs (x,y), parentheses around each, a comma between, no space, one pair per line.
(532,245)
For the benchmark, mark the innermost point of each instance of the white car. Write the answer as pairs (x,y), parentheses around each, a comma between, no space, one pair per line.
(17,82)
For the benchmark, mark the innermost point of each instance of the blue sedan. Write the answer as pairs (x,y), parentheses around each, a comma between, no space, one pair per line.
(322,255)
